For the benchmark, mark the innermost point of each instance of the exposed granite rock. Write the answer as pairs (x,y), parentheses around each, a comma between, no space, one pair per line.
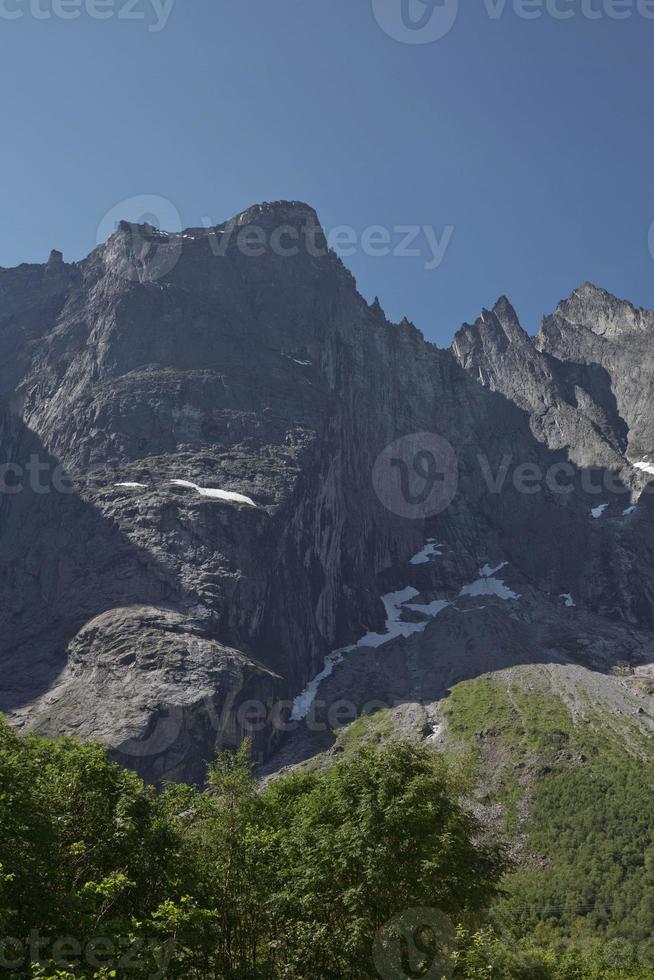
(145,612)
(571,406)
(614,339)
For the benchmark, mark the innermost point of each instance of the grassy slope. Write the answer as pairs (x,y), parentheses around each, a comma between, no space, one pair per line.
(574,794)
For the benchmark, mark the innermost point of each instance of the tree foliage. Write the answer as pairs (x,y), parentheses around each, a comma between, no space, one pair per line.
(368,867)
(99,873)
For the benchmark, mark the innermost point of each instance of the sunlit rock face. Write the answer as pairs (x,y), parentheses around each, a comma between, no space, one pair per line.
(192,517)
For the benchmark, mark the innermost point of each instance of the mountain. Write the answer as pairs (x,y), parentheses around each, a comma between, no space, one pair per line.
(222,466)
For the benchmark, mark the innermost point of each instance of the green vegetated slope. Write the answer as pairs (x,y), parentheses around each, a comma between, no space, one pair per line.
(381,858)
(571,788)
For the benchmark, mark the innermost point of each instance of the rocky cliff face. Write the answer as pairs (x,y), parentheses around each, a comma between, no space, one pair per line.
(199,506)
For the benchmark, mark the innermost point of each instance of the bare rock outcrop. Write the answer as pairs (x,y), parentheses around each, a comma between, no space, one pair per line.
(189,520)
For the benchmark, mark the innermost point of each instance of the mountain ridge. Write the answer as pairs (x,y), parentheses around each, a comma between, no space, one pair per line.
(139,609)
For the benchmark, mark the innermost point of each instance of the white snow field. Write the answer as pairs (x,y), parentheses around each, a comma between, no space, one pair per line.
(395,603)
(303,701)
(489,585)
(486,571)
(429,551)
(236,498)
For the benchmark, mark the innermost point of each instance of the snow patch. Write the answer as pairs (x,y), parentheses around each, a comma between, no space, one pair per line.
(131,486)
(303,701)
(568,600)
(486,571)
(642,464)
(489,586)
(599,510)
(437,728)
(429,608)
(394,602)
(296,360)
(214,494)
(628,511)
(395,626)
(429,551)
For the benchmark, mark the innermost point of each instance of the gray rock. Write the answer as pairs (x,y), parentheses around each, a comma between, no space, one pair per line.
(149,614)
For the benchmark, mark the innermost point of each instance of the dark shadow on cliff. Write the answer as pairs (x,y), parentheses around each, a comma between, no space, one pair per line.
(465,641)
(554,545)
(61,563)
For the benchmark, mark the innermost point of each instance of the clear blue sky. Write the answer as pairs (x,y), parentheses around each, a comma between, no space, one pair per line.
(534,139)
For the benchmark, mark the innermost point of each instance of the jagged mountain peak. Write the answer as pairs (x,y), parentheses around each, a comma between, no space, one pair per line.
(268,216)
(55,260)
(277,210)
(585,300)
(272,215)
(590,289)
(599,311)
(376,308)
(505,311)
(492,333)
(508,319)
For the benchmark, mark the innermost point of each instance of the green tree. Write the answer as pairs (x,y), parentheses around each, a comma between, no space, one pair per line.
(237,882)
(364,840)
(83,848)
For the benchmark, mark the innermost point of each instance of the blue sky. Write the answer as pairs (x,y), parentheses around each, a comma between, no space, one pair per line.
(531,140)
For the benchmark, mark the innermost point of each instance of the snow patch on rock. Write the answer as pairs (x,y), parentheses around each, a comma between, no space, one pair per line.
(437,728)
(429,551)
(296,360)
(394,604)
(489,586)
(228,495)
(429,608)
(487,572)
(303,701)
